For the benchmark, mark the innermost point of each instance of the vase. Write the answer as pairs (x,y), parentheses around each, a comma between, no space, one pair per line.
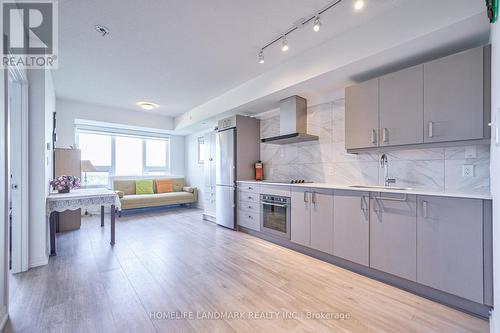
(64,190)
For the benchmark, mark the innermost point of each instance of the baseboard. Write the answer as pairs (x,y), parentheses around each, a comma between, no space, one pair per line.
(39,261)
(209,218)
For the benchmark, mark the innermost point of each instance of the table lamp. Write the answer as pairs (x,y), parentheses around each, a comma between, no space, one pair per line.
(87,166)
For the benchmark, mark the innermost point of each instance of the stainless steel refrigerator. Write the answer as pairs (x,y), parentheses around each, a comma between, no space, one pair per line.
(237,150)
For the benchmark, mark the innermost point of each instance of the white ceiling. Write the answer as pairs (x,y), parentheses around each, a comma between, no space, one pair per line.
(181,54)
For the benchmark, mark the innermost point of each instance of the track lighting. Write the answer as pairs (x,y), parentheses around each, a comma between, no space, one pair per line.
(284,44)
(317,24)
(359,4)
(261,57)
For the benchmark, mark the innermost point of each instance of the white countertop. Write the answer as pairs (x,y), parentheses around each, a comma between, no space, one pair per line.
(381,190)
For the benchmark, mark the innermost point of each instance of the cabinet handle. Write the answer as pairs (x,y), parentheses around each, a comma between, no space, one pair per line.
(404,198)
(305,196)
(385,134)
(424,209)
(431,129)
(313,197)
(250,187)
(250,217)
(374,136)
(250,207)
(249,197)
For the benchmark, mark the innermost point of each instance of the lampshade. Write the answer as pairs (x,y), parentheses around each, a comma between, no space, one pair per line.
(87,166)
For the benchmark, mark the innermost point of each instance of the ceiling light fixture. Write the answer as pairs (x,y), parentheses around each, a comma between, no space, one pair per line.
(315,18)
(102,30)
(261,57)
(147,105)
(317,24)
(284,44)
(359,4)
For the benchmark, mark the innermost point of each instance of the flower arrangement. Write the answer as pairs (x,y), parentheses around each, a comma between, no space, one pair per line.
(63,184)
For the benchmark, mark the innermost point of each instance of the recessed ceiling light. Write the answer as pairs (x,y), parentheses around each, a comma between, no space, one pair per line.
(147,105)
(317,24)
(284,45)
(359,4)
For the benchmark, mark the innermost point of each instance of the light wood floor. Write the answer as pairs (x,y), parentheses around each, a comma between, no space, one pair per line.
(174,262)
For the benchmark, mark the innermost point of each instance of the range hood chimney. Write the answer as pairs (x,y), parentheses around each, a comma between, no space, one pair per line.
(293,122)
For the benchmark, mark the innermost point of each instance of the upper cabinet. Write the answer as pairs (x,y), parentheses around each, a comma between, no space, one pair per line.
(402,107)
(362,117)
(441,101)
(453,97)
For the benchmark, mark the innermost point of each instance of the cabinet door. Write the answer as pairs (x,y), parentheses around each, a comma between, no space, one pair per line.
(361,118)
(393,234)
(450,245)
(322,220)
(351,226)
(301,216)
(453,97)
(402,107)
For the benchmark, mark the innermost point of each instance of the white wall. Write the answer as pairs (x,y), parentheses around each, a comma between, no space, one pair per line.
(194,170)
(41,106)
(495,174)
(68,111)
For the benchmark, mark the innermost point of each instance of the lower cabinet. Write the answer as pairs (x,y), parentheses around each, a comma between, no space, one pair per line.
(450,245)
(322,220)
(393,234)
(351,229)
(301,216)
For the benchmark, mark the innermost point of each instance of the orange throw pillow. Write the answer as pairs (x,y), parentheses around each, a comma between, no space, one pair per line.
(164,185)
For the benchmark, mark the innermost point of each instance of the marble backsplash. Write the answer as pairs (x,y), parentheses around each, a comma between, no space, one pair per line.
(326,160)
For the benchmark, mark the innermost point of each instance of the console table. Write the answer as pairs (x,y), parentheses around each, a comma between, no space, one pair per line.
(88,198)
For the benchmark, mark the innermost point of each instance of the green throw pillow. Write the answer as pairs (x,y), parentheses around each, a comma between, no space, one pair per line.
(144,187)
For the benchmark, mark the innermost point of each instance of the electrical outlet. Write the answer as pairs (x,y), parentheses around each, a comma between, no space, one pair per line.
(468,170)
(331,171)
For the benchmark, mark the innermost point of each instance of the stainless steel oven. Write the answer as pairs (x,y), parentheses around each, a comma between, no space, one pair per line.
(275,215)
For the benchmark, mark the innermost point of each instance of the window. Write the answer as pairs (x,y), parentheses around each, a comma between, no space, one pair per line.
(201,150)
(119,154)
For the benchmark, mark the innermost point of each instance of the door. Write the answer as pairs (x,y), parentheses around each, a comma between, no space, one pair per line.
(361,116)
(402,107)
(322,220)
(450,245)
(453,97)
(351,228)
(225,157)
(225,206)
(301,216)
(18,172)
(393,234)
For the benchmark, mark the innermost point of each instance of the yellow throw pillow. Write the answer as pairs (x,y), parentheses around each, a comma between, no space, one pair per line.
(164,186)
(144,186)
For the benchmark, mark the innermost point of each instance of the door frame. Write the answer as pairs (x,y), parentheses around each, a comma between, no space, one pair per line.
(20,240)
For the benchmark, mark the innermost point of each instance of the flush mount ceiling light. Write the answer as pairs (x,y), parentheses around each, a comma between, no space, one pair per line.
(317,24)
(147,105)
(359,4)
(102,30)
(314,18)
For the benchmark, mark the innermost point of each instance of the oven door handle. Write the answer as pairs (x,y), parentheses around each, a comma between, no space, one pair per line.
(273,204)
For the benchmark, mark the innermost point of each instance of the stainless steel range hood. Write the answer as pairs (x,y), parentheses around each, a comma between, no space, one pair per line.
(293,122)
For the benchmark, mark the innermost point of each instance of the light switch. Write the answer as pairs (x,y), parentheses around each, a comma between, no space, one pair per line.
(468,170)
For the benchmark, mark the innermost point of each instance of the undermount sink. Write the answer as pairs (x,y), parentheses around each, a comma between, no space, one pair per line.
(383,187)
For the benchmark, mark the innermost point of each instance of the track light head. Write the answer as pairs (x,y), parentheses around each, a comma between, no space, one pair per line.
(261,57)
(317,24)
(284,44)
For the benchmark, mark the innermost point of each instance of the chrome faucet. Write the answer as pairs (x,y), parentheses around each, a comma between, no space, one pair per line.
(384,163)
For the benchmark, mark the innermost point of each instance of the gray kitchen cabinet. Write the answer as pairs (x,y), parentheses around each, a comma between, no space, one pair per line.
(450,245)
(362,116)
(453,97)
(393,234)
(322,208)
(402,107)
(301,216)
(351,230)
